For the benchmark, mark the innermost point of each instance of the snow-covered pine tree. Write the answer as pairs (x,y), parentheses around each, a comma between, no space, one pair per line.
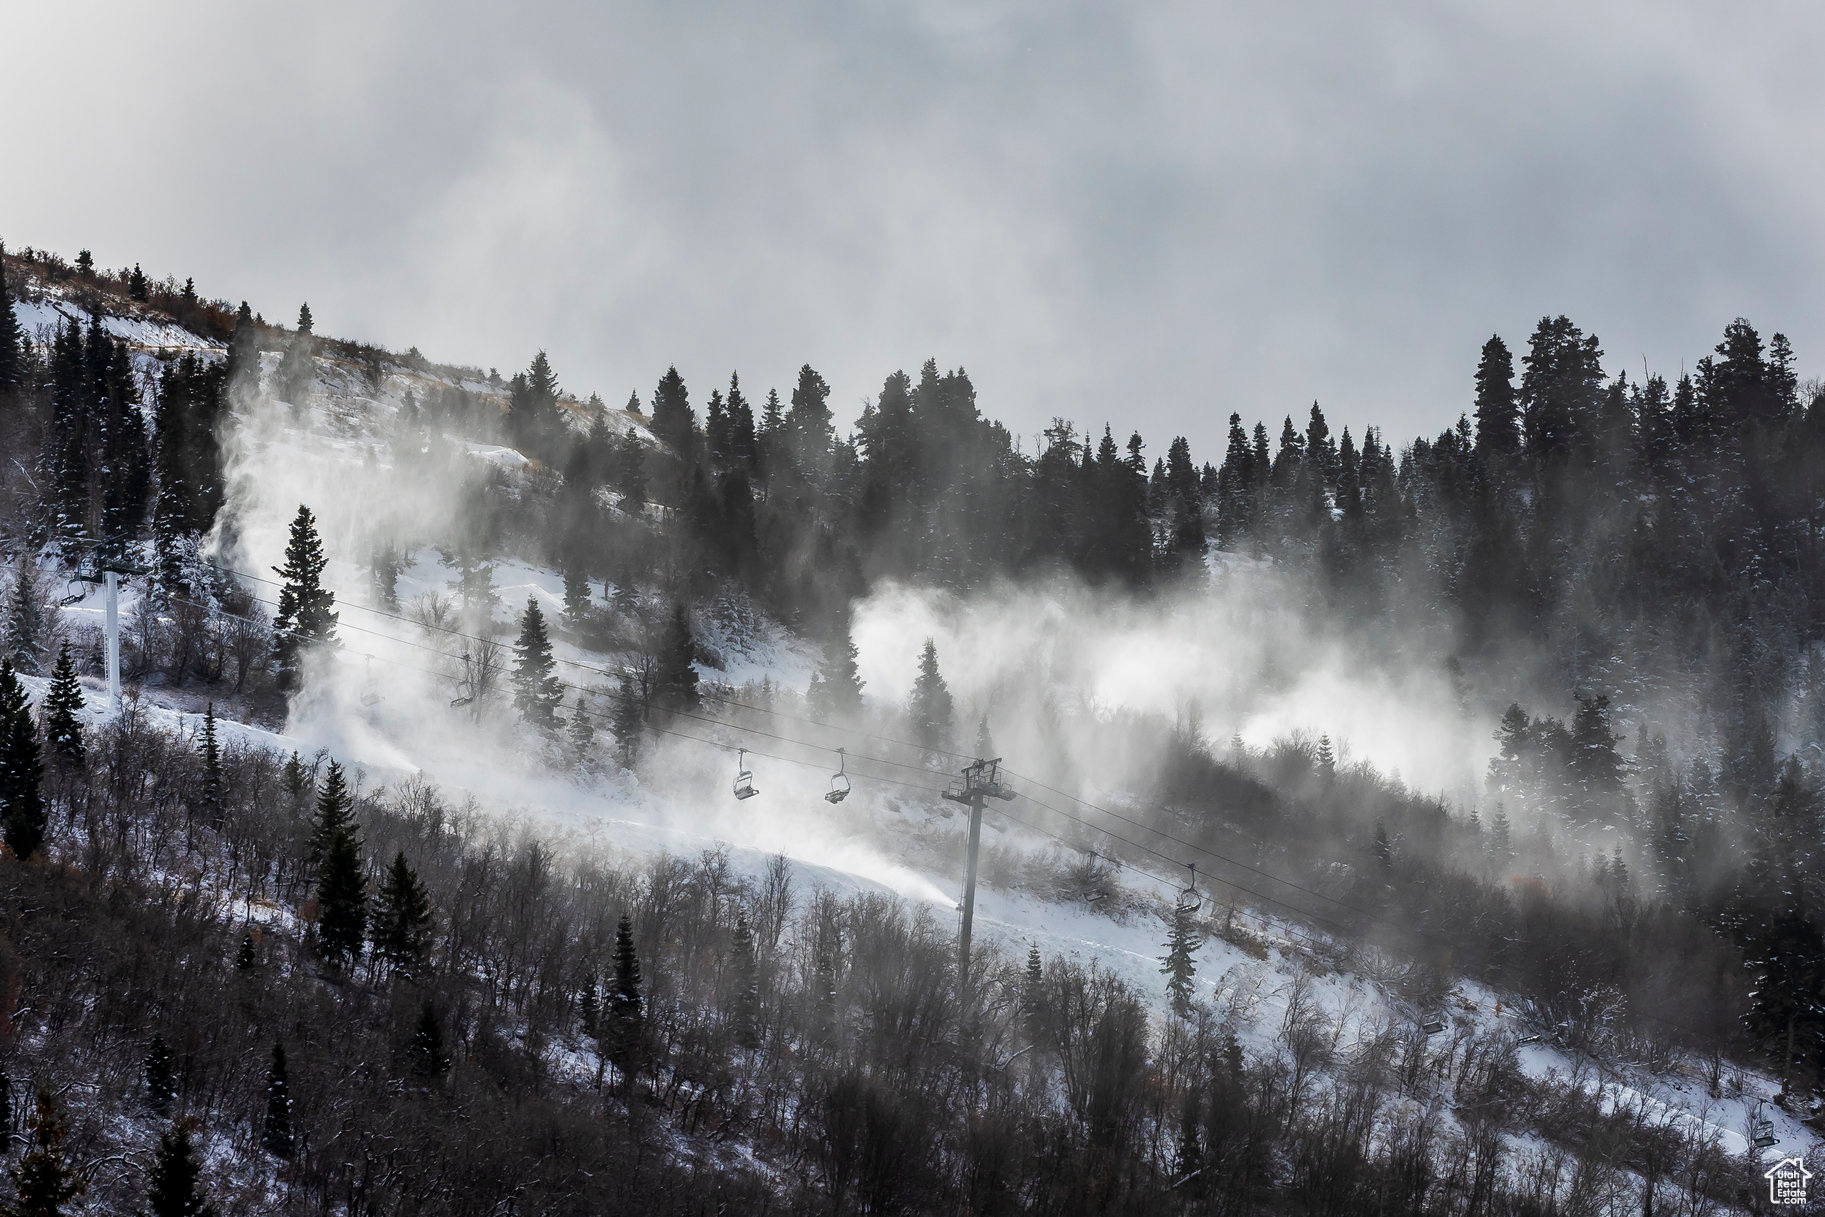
(676,685)
(306,615)
(537,690)
(1182,942)
(210,802)
(630,718)
(582,733)
(25,624)
(63,704)
(930,707)
(836,690)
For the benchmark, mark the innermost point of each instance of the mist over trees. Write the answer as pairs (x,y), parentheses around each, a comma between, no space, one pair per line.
(429,1004)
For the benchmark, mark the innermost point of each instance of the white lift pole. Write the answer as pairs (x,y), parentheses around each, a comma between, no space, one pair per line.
(113,582)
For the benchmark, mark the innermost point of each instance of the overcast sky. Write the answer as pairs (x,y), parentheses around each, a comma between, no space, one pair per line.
(1148,214)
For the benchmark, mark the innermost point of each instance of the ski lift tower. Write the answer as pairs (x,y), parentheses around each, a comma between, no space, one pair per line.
(980,780)
(108,574)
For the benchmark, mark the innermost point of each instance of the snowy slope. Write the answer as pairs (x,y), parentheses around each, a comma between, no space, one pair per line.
(329,451)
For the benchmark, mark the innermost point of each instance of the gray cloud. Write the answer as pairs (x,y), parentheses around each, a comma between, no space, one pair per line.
(1146,214)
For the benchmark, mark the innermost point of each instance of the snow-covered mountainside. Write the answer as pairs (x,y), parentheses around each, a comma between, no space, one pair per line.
(418,689)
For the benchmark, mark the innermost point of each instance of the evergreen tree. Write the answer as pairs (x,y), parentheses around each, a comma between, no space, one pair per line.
(630,717)
(335,813)
(744,445)
(576,595)
(275,1128)
(304,318)
(673,422)
(21,801)
(930,707)
(836,690)
(1498,416)
(1325,762)
(630,473)
(305,617)
(161,1085)
(246,957)
(296,780)
(1384,848)
(1596,768)
(45,1178)
(1034,1013)
(25,625)
(342,903)
(173,1186)
(429,1057)
(676,681)
(808,431)
(1182,941)
(63,705)
(537,690)
(12,355)
(136,284)
(582,733)
(626,1007)
(402,920)
(211,799)
(745,974)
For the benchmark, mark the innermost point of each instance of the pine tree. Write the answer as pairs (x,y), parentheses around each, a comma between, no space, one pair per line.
(246,957)
(745,973)
(590,1007)
(136,284)
(836,690)
(304,318)
(676,684)
(297,782)
(211,799)
(931,707)
(63,705)
(161,1085)
(537,690)
(429,1058)
(1325,762)
(305,617)
(45,1178)
(21,801)
(275,1129)
(626,1006)
(1033,1012)
(342,902)
(673,421)
(25,619)
(582,733)
(630,718)
(576,595)
(173,1187)
(1498,416)
(1181,942)
(335,814)
(402,920)
(12,362)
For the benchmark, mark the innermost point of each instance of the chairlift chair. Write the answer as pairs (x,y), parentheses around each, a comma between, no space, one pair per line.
(1432,1028)
(744,777)
(839,781)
